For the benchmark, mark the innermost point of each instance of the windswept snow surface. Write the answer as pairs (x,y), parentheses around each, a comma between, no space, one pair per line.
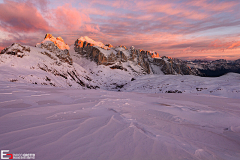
(63,123)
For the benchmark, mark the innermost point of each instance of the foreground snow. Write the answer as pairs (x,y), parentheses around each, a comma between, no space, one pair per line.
(58,123)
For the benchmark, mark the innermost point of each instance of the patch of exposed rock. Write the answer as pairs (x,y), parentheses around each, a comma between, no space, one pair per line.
(16,49)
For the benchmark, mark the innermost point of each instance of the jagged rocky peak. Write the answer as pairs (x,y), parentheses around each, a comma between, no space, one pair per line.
(153,54)
(86,41)
(109,45)
(56,46)
(123,47)
(59,42)
(16,49)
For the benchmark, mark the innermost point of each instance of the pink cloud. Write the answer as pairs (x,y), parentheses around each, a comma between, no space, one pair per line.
(120,3)
(218,44)
(21,17)
(67,17)
(1,48)
(216,49)
(225,45)
(213,5)
(42,4)
(162,26)
(170,9)
(91,28)
(211,54)
(155,7)
(234,45)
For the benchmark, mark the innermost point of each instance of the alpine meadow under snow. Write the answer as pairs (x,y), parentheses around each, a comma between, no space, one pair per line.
(94,101)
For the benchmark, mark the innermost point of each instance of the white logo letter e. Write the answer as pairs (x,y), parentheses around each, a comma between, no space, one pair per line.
(3,154)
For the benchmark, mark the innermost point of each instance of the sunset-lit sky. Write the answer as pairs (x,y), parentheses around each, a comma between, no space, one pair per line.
(187,29)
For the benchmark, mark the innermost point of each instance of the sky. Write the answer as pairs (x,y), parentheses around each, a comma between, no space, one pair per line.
(185,29)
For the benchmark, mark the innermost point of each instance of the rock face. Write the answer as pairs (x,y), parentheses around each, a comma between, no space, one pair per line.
(53,45)
(174,66)
(115,57)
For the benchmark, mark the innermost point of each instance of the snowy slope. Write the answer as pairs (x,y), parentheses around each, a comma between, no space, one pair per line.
(58,123)
(40,66)
(225,86)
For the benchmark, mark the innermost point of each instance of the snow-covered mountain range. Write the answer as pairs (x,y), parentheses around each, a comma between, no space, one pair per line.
(91,64)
